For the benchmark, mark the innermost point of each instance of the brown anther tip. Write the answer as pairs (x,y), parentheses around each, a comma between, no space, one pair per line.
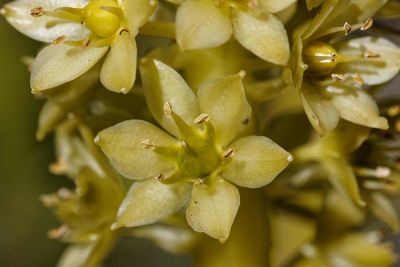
(367,24)
(122,31)
(202,118)
(358,79)
(58,167)
(184,144)
(147,144)
(245,121)
(338,77)
(58,232)
(85,42)
(168,109)
(370,54)
(64,193)
(37,11)
(347,28)
(333,57)
(160,176)
(228,153)
(199,181)
(59,40)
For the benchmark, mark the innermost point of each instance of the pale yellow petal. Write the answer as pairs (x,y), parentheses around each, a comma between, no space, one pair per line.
(122,144)
(138,12)
(58,64)
(263,35)
(225,102)
(163,84)
(256,161)
(18,14)
(321,113)
(212,209)
(360,108)
(200,24)
(119,68)
(150,201)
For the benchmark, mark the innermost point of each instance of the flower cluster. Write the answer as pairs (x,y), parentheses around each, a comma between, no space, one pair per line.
(190,150)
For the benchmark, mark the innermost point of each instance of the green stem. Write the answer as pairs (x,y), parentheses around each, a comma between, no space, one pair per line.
(158,29)
(248,242)
(102,247)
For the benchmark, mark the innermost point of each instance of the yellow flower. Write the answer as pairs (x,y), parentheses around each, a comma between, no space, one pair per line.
(208,23)
(208,151)
(79,34)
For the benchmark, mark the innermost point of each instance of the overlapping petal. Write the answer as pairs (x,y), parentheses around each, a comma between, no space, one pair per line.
(44,28)
(256,161)
(201,24)
(118,72)
(58,64)
(122,144)
(257,33)
(150,201)
(163,84)
(212,208)
(225,102)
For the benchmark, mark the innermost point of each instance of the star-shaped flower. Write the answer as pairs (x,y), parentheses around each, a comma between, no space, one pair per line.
(208,23)
(331,71)
(208,148)
(80,33)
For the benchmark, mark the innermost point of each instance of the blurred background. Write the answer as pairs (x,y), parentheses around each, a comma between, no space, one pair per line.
(24,175)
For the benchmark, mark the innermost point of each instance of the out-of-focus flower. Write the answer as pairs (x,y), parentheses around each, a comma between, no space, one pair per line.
(207,153)
(80,33)
(331,71)
(207,23)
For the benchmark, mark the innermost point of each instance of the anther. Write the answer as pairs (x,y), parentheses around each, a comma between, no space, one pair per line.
(37,11)
(58,232)
(228,154)
(245,121)
(58,167)
(147,144)
(64,193)
(290,158)
(85,42)
(184,144)
(59,40)
(338,77)
(332,57)
(367,24)
(347,28)
(370,54)
(49,200)
(357,79)
(167,109)
(242,73)
(122,31)
(199,181)
(160,176)
(202,118)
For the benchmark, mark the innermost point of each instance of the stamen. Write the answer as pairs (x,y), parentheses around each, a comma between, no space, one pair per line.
(167,109)
(202,118)
(37,11)
(338,77)
(147,144)
(347,28)
(378,172)
(370,54)
(367,24)
(58,167)
(199,181)
(160,177)
(357,79)
(85,42)
(228,154)
(59,40)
